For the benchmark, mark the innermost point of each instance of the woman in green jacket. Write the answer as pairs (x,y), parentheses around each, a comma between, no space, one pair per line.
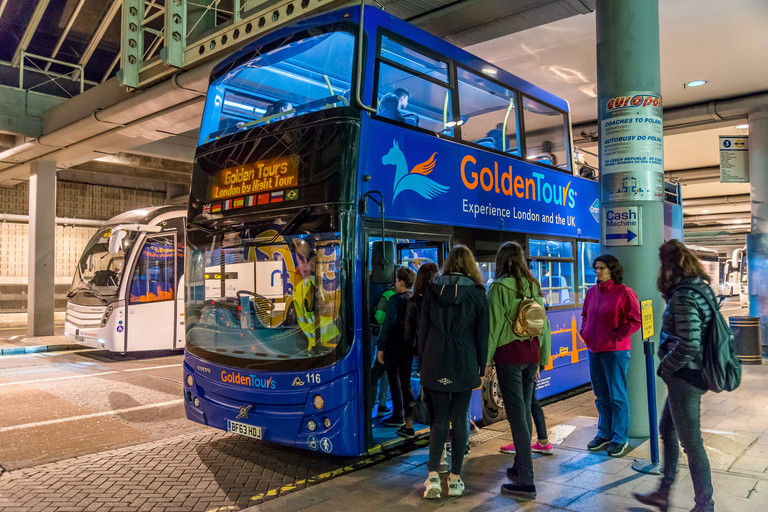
(517,359)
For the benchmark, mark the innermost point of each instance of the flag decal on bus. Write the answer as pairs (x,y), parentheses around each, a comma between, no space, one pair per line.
(415,179)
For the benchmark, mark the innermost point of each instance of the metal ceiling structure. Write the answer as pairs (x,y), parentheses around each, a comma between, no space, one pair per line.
(123,81)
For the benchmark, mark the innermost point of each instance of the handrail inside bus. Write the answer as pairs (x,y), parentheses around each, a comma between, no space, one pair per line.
(504,128)
(359,76)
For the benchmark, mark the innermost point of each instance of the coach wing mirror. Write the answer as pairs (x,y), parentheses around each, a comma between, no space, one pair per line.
(116,240)
(382,262)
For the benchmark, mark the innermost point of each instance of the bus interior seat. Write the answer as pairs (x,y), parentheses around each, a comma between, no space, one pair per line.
(410,118)
(544,159)
(488,142)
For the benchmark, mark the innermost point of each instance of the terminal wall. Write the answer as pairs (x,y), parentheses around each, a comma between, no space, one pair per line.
(75,201)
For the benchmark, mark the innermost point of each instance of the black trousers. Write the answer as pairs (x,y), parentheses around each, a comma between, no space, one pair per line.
(397,364)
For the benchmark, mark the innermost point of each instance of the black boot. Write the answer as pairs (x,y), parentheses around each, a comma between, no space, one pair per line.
(658,499)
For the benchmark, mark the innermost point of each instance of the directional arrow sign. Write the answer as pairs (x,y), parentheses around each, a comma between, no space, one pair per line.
(629,236)
(622,225)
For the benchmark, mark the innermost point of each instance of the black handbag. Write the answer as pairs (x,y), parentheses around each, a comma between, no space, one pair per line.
(422,408)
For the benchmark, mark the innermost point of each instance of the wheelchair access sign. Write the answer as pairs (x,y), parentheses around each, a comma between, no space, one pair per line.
(622,225)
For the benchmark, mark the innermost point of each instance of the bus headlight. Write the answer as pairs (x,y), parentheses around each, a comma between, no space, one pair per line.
(326,422)
(108,313)
(197,402)
(318,402)
(190,380)
(311,425)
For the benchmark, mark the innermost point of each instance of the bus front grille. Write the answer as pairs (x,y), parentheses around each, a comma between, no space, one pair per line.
(84,317)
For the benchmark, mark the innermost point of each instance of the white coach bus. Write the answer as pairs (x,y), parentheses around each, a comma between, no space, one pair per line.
(125,292)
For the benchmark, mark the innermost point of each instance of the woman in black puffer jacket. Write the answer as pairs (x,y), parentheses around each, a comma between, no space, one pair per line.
(688,317)
(453,345)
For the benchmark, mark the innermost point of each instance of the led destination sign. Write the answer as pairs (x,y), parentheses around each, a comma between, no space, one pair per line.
(259,176)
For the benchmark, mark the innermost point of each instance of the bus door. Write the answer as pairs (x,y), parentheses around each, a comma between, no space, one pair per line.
(151,294)
(412,250)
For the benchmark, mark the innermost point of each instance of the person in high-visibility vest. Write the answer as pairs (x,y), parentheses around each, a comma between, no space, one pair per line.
(309,302)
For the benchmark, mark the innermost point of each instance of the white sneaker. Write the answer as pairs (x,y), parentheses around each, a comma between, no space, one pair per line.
(433,486)
(455,487)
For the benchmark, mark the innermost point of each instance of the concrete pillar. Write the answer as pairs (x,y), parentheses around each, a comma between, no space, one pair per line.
(42,248)
(631,173)
(757,239)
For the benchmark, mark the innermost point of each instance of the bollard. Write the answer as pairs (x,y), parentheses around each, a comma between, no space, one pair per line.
(643,465)
(746,331)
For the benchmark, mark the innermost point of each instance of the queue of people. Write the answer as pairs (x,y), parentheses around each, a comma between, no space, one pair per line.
(460,336)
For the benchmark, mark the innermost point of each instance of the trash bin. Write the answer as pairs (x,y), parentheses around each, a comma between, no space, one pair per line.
(746,330)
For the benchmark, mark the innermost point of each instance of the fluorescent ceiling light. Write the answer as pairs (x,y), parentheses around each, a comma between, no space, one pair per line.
(696,83)
(704,211)
(738,221)
(742,126)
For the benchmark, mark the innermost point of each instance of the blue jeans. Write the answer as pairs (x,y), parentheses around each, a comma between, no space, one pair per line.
(681,420)
(608,371)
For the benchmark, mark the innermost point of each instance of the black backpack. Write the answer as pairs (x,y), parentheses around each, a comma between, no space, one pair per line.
(396,332)
(721,369)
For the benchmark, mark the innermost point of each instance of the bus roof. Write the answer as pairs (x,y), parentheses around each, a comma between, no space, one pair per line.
(377,17)
(145,215)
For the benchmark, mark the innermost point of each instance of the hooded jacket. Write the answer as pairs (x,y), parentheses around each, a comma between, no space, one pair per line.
(453,334)
(611,313)
(686,320)
(504,300)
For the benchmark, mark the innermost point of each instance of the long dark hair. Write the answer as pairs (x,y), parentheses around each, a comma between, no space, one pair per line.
(614,267)
(424,276)
(510,262)
(461,261)
(677,263)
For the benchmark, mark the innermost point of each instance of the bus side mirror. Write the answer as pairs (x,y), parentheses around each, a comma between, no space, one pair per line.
(116,240)
(382,262)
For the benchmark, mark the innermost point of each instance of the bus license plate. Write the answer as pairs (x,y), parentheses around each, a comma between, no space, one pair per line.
(243,429)
(79,338)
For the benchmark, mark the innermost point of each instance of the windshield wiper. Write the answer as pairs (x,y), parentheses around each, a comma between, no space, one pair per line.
(84,290)
(195,226)
(294,223)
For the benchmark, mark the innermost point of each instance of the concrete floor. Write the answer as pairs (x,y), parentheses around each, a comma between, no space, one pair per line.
(736,437)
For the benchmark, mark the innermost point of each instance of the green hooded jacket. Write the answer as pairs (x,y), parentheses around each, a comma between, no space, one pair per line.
(503,302)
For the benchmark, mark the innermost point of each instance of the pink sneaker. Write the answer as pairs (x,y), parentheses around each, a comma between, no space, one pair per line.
(507,448)
(546,450)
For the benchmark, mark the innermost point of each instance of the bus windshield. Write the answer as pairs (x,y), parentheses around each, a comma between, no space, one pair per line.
(260,299)
(308,74)
(99,272)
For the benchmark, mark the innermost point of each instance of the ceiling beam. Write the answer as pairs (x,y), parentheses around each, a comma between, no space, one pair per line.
(65,33)
(42,5)
(736,199)
(99,34)
(3,3)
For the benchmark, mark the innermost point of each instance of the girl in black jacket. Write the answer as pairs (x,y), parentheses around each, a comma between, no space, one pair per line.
(687,318)
(453,345)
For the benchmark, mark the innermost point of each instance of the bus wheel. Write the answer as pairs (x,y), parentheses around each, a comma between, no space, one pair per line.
(493,405)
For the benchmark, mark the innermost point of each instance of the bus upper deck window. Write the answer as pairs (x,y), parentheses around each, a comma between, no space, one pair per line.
(546,134)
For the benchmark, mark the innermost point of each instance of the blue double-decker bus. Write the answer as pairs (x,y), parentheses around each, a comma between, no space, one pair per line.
(322,145)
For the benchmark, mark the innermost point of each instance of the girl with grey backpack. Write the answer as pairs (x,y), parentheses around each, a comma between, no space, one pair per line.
(519,344)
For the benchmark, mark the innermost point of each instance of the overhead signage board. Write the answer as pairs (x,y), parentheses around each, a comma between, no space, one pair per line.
(632,147)
(734,159)
(429,179)
(622,225)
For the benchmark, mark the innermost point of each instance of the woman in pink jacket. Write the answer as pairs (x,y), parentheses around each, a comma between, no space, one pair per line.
(611,314)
